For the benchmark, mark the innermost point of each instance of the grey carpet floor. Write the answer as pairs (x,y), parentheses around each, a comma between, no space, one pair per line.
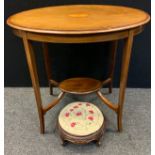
(22,135)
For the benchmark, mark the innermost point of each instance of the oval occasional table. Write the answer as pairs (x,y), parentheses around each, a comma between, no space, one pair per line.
(79,24)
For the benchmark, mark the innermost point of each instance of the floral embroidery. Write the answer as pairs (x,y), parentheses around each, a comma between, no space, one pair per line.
(78,113)
(87,104)
(91,111)
(73,124)
(91,118)
(75,106)
(67,114)
(80,118)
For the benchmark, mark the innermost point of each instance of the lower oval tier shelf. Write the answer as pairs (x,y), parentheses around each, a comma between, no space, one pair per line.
(80,85)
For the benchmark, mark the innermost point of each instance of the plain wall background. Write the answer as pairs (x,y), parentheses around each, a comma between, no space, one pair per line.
(76,60)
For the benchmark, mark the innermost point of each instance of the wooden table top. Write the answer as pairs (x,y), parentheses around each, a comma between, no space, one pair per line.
(78,19)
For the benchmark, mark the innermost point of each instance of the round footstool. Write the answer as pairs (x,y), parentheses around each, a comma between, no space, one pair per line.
(81,123)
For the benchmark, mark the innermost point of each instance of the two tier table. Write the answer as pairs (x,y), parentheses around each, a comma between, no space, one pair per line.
(79,24)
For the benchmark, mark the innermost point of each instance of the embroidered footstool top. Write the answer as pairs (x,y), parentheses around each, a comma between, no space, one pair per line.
(80,118)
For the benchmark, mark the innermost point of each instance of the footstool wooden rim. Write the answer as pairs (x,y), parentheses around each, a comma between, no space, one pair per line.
(81,139)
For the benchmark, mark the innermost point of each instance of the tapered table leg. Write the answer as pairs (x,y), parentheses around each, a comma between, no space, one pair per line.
(47,63)
(112,56)
(34,77)
(124,74)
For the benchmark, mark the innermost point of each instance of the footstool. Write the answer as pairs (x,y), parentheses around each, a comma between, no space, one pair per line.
(81,123)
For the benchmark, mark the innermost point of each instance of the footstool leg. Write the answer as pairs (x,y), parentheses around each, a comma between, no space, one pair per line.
(63,141)
(124,74)
(98,142)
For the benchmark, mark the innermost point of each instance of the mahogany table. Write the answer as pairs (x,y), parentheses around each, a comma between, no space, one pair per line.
(79,24)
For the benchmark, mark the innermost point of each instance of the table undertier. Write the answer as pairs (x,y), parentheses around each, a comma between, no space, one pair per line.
(80,85)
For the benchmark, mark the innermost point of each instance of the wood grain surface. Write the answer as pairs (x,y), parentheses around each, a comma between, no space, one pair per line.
(78,19)
(80,85)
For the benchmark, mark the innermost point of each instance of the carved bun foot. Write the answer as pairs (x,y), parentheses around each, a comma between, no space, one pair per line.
(98,142)
(63,142)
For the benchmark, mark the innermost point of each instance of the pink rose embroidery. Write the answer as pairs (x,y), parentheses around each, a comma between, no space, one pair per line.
(78,113)
(73,124)
(91,111)
(67,114)
(71,109)
(91,118)
(80,104)
(87,104)
(75,106)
